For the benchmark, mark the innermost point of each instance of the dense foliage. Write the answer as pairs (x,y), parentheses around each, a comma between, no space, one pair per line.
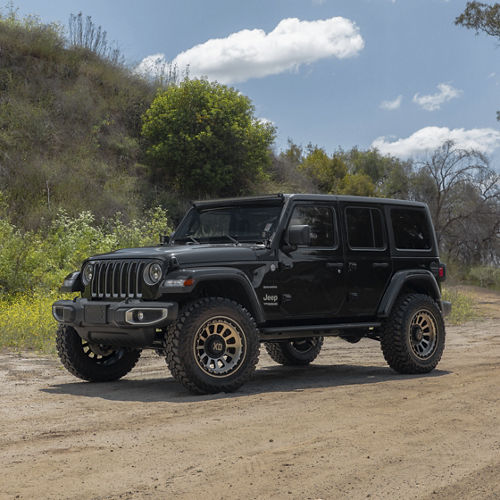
(203,139)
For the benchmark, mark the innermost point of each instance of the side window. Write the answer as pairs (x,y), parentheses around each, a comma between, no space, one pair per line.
(365,228)
(411,229)
(320,220)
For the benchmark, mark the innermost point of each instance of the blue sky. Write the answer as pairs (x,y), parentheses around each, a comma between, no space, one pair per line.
(396,74)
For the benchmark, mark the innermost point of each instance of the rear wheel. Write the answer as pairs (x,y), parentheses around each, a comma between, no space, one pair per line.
(93,362)
(414,335)
(295,352)
(213,346)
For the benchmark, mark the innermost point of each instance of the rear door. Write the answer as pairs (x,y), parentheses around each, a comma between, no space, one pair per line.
(368,265)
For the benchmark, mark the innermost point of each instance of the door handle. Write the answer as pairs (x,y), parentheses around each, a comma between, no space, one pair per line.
(380,265)
(335,265)
(352,266)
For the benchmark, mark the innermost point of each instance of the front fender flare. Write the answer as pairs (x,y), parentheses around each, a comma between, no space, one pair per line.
(215,274)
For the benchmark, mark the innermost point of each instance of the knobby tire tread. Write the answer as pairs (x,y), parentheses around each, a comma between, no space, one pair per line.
(177,357)
(68,344)
(394,343)
(279,353)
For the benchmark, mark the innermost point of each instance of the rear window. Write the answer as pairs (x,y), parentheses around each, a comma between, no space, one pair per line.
(365,228)
(411,229)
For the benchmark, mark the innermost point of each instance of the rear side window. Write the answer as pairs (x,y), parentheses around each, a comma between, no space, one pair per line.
(320,220)
(411,229)
(365,228)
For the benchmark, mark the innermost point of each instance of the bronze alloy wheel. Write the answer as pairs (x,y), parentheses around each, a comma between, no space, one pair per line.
(423,337)
(413,337)
(219,346)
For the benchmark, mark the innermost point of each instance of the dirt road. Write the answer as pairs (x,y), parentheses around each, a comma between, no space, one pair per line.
(346,427)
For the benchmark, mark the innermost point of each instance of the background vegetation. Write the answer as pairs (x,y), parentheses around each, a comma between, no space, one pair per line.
(94,157)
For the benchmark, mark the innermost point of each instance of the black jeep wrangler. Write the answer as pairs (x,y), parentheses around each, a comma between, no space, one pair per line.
(285,270)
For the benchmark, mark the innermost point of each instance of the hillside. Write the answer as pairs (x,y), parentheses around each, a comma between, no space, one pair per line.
(69,126)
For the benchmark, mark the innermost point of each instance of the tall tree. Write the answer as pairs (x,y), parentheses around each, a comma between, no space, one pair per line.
(481,17)
(203,139)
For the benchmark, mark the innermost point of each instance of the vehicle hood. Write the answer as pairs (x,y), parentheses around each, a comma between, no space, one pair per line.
(188,254)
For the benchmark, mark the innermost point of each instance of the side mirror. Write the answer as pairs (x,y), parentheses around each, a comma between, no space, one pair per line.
(164,239)
(299,235)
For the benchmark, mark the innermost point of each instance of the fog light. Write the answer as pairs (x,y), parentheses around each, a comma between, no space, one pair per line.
(140,315)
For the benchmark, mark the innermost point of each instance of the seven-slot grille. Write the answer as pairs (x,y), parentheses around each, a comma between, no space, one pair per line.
(118,279)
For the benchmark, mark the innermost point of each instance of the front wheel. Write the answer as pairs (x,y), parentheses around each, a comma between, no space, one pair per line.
(213,346)
(414,335)
(93,362)
(295,352)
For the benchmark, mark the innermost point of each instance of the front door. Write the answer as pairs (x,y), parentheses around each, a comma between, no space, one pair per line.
(311,277)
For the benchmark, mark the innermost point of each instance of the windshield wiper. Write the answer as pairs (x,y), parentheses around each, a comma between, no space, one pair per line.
(188,238)
(234,240)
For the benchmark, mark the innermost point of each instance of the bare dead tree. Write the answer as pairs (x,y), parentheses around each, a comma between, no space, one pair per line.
(463,194)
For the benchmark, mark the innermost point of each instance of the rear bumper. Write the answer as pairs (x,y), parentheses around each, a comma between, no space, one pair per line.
(446,307)
(131,323)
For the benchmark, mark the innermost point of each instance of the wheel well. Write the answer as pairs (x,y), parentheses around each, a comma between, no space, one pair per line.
(228,289)
(419,286)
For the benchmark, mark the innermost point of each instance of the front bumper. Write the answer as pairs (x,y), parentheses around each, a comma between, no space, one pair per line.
(128,323)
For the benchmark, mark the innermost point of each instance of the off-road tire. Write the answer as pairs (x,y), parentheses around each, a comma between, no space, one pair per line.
(78,358)
(413,337)
(295,352)
(187,345)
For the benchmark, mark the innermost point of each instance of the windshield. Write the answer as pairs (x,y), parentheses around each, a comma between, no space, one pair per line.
(238,224)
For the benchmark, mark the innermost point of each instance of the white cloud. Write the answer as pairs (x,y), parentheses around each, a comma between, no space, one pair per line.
(432,102)
(255,53)
(392,105)
(427,139)
(265,121)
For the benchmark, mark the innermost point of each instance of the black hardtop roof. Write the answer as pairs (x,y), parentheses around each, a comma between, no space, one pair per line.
(280,198)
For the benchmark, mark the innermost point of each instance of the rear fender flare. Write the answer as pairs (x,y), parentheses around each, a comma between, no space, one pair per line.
(419,278)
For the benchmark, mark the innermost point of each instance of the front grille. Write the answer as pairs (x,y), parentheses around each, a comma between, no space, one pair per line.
(118,279)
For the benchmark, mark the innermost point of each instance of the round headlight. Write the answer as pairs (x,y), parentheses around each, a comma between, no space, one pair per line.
(87,274)
(153,274)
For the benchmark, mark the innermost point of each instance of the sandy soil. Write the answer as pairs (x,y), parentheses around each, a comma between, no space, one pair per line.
(346,427)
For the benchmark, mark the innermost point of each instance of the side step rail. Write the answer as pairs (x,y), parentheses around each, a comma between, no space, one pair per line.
(327,330)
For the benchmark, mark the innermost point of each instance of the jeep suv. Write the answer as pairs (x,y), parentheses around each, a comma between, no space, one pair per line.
(283,270)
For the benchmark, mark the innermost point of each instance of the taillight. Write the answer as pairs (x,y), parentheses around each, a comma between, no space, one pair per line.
(442,271)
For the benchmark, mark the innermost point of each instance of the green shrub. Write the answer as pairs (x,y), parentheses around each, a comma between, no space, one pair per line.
(34,261)
(485,276)
(26,322)
(462,306)
(33,265)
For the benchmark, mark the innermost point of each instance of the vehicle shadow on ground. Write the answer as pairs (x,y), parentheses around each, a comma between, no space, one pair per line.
(266,380)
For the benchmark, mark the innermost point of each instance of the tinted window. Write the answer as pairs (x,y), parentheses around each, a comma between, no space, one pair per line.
(320,220)
(364,228)
(222,224)
(411,229)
